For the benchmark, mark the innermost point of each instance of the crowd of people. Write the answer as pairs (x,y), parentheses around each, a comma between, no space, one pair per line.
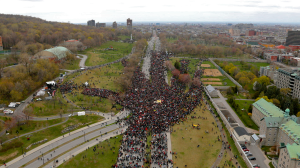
(155,106)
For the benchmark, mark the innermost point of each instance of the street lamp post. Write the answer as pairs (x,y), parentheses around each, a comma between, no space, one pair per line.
(84,136)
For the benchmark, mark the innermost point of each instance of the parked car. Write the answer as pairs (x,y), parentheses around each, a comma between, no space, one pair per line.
(38,99)
(249,154)
(246,152)
(245,149)
(252,158)
(256,166)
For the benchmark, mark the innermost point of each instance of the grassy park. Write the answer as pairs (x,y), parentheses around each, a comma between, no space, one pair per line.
(28,126)
(93,159)
(100,55)
(187,151)
(15,147)
(58,105)
(73,65)
(103,78)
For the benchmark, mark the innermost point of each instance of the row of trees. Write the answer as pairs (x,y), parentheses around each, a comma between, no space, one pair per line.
(28,30)
(16,83)
(212,45)
(125,81)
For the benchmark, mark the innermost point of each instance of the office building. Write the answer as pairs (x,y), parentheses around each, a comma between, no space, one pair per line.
(115,25)
(129,24)
(293,38)
(250,33)
(91,23)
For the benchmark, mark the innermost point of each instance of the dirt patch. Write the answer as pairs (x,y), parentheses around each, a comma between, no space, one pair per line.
(211,79)
(213,83)
(9,156)
(212,72)
(205,65)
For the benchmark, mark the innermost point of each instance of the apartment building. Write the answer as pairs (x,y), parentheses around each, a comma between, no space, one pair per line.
(289,78)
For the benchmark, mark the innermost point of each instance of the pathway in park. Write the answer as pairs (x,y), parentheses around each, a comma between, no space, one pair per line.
(82,61)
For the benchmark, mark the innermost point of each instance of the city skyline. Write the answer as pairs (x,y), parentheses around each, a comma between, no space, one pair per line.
(278,11)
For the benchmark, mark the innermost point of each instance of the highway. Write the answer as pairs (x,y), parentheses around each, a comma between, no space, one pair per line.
(34,154)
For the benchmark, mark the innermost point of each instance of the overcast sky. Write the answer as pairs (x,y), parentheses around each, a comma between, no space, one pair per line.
(79,11)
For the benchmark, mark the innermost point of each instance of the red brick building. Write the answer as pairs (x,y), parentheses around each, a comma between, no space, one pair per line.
(250,33)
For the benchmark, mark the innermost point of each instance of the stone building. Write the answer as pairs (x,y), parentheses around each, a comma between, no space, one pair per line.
(91,23)
(289,156)
(262,109)
(129,24)
(115,25)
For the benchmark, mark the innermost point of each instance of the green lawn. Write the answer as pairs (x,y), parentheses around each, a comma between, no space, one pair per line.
(92,159)
(172,40)
(98,55)
(58,105)
(123,37)
(243,114)
(13,149)
(186,148)
(25,127)
(104,78)
(73,65)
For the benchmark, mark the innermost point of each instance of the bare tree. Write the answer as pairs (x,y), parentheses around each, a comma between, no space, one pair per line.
(28,113)
(3,64)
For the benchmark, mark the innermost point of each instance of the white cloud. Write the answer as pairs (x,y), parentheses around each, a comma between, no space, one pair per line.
(77,11)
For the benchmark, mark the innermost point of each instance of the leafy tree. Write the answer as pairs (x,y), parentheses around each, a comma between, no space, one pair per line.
(263,80)
(272,92)
(264,97)
(276,102)
(177,65)
(285,91)
(250,108)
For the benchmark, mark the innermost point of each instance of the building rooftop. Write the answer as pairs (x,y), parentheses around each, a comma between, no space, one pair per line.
(273,121)
(60,52)
(294,151)
(292,129)
(268,109)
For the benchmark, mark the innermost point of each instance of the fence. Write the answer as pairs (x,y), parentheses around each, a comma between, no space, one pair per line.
(229,128)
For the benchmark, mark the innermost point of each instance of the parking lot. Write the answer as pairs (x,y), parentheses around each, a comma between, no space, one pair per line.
(258,154)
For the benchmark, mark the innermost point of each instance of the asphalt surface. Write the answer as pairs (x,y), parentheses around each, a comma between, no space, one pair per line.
(29,157)
(82,61)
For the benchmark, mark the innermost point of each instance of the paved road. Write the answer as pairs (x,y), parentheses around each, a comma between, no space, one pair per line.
(82,61)
(31,155)
(70,154)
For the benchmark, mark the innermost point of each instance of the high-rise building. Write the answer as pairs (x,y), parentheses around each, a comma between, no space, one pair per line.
(91,23)
(100,24)
(293,38)
(129,24)
(1,45)
(115,25)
